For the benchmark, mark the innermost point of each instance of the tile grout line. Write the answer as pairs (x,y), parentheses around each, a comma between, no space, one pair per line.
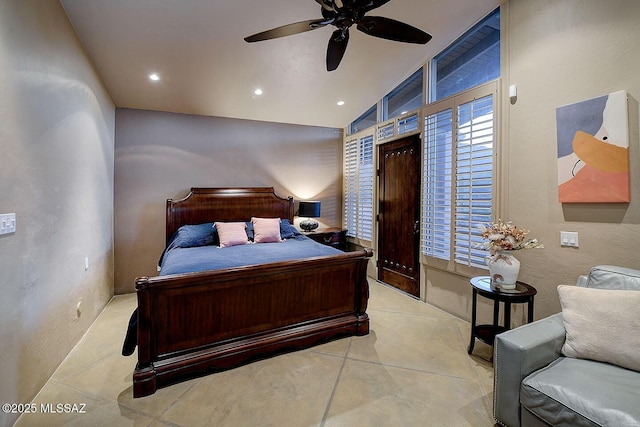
(104,399)
(335,385)
(64,380)
(406,368)
(476,371)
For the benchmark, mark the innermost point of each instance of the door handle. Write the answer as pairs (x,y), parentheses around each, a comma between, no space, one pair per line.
(416,227)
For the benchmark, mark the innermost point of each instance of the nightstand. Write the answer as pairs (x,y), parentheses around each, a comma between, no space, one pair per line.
(336,237)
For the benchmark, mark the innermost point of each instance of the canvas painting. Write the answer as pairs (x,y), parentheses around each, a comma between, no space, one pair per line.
(593,150)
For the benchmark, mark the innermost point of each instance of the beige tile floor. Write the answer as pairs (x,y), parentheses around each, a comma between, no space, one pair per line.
(411,370)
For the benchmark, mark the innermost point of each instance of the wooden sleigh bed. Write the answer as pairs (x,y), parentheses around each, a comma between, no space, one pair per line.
(196,323)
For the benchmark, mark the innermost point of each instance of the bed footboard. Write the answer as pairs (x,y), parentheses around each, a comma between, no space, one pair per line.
(193,324)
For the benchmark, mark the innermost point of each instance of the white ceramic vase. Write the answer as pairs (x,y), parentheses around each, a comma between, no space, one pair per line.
(503,269)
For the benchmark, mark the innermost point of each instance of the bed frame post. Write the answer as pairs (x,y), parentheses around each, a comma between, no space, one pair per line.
(144,377)
(362,296)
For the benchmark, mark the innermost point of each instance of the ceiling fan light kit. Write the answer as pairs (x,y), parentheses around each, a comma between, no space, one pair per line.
(343,14)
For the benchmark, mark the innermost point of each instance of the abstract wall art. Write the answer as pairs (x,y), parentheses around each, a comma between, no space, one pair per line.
(593,150)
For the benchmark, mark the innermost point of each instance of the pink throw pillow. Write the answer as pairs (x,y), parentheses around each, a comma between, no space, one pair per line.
(266,230)
(232,233)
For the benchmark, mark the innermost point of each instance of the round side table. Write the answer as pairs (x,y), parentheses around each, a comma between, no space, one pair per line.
(482,285)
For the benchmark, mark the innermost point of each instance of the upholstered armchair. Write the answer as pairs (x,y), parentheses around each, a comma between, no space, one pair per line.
(579,367)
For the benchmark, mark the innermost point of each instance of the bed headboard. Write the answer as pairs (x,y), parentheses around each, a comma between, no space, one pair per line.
(226,204)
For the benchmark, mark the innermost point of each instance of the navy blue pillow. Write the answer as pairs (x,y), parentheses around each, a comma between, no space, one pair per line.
(287,230)
(189,236)
(249,230)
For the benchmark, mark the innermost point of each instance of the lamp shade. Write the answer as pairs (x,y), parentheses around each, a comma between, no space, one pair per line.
(310,209)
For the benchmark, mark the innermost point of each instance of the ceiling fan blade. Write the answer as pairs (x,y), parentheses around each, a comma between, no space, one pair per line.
(337,46)
(372,4)
(289,30)
(391,29)
(325,5)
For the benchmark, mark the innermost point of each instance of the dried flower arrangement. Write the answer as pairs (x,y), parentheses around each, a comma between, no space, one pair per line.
(504,236)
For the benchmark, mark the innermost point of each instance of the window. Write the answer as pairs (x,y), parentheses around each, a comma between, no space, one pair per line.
(366,120)
(407,96)
(458,175)
(358,187)
(470,61)
(398,126)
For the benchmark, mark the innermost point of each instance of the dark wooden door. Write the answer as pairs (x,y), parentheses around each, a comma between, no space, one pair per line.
(399,214)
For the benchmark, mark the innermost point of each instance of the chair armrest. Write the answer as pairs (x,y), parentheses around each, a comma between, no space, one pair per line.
(518,353)
(582,281)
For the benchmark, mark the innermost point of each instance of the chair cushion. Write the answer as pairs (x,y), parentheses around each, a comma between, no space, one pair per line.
(613,277)
(578,392)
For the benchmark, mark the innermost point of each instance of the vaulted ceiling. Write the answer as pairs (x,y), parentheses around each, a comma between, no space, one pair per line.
(197,48)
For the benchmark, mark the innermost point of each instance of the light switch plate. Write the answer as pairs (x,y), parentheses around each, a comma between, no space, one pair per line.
(569,238)
(7,223)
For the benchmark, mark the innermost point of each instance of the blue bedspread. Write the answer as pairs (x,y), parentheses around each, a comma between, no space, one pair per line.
(178,260)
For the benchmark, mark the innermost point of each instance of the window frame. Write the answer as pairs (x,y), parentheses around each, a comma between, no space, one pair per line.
(490,88)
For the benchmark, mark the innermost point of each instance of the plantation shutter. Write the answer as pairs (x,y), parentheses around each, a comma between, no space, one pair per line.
(408,124)
(458,176)
(436,213)
(474,178)
(358,187)
(386,131)
(351,186)
(365,188)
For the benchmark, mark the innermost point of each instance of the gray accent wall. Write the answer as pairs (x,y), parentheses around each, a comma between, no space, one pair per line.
(56,174)
(162,155)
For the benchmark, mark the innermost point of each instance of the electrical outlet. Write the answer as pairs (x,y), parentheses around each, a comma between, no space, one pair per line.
(7,223)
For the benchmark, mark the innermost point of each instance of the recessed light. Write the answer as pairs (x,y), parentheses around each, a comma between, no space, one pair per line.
(341,103)
(258,91)
(153,76)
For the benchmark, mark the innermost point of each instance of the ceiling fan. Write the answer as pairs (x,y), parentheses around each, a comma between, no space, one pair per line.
(343,14)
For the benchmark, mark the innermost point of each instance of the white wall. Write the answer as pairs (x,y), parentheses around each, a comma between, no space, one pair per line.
(559,52)
(56,174)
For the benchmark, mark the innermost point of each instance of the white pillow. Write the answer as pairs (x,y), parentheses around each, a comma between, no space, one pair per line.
(602,325)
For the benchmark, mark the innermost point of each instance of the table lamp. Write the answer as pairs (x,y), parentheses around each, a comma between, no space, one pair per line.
(308,210)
